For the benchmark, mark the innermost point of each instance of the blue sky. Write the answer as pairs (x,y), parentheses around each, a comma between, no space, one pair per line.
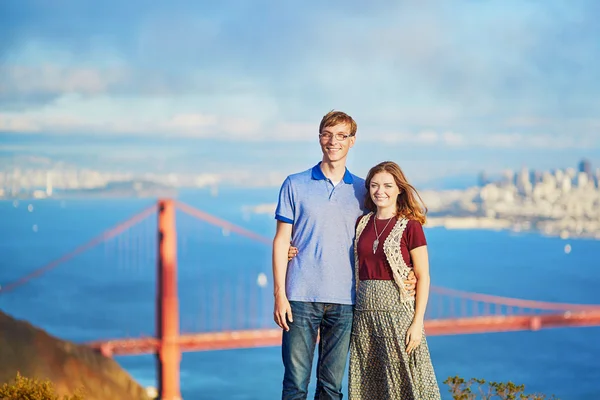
(442,87)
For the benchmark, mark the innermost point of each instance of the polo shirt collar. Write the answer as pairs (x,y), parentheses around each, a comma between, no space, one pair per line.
(318,175)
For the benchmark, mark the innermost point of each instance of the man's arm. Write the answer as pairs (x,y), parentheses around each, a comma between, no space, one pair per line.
(281,244)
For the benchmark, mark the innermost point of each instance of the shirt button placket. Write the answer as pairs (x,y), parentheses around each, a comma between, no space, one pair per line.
(330,191)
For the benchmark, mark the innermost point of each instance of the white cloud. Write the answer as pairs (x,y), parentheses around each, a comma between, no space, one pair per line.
(239,127)
(427,137)
(92,121)
(190,123)
(295,131)
(66,123)
(58,80)
(453,139)
(533,141)
(17,123)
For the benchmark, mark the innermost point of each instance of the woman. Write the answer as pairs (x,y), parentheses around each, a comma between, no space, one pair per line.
(389,357)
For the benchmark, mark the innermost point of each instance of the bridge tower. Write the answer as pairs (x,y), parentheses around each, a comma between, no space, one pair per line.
(167,305)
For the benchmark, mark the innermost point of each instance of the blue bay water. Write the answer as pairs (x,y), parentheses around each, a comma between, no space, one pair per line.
(109,291)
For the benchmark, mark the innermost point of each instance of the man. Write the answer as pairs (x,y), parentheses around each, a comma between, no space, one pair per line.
(317,210)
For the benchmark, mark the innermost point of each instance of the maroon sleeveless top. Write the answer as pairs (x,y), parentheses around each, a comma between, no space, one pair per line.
(375,266)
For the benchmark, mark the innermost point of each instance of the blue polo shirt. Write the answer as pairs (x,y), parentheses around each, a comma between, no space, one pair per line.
(323,218)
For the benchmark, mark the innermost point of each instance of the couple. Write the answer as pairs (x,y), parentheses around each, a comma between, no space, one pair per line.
(350,279)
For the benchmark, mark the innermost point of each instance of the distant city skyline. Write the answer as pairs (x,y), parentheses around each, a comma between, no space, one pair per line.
(44,177)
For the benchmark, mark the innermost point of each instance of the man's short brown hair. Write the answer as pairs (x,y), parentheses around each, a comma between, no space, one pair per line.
(333,118)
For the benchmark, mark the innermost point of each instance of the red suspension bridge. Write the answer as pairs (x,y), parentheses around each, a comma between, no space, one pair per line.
(236,311)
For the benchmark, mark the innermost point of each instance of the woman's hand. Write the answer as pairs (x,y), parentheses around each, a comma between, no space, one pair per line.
(292,252)
(414,336)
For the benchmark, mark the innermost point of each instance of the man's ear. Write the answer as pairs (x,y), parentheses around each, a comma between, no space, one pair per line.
(352,141)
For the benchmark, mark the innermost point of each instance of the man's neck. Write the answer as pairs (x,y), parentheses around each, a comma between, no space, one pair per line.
(334,170)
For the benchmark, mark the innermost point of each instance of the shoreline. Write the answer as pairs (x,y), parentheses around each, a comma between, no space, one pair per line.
(484,223)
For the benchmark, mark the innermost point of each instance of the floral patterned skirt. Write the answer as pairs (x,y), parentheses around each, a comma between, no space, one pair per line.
(380,368)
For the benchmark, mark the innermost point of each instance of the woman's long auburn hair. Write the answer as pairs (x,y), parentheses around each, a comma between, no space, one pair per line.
(409,203)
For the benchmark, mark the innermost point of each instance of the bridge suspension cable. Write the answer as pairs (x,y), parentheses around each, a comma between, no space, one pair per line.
(108,234)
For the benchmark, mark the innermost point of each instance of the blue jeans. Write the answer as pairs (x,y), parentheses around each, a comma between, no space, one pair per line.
(298,348)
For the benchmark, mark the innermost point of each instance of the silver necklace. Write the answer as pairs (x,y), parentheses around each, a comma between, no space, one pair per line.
(377,235)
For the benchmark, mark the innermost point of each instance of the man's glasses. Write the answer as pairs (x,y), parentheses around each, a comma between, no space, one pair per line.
(325,137)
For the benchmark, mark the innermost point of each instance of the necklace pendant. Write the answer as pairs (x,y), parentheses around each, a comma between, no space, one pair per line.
(375,244)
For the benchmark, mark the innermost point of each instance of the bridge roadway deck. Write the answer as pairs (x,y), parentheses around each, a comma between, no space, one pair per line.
(272,337)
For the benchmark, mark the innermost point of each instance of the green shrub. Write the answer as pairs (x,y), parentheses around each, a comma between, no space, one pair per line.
(471,389)
(32,389)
